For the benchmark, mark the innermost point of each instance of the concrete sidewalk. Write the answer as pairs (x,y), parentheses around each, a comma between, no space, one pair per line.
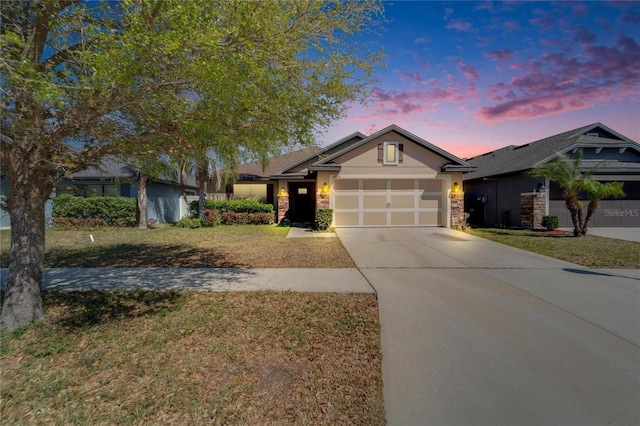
(345,280)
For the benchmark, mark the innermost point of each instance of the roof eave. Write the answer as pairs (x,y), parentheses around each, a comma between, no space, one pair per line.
(458,168)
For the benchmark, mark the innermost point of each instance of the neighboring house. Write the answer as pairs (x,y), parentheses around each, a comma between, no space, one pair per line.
(501,193)
(114,178)
(391,178)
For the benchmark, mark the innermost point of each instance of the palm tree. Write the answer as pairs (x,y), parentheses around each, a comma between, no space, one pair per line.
(566,174)
(596,191)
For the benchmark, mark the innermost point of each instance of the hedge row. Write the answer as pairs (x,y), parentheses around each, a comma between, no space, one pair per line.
(113,211)
(214,218)
(237,206)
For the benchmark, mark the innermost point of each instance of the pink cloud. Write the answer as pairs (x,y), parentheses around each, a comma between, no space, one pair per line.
(421,40)
(543,20)
(466,68)
(460,25)
(499,55)
(510,26)
(556,82)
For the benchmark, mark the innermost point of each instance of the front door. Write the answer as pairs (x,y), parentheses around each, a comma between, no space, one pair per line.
(302,200)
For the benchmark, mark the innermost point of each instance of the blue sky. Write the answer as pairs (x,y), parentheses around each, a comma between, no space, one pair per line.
(471,77)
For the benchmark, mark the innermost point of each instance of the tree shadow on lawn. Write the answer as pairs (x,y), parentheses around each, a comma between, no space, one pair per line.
(85,309)
(140,255)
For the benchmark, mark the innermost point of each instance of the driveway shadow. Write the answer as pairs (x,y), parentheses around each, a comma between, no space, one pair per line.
(598,273)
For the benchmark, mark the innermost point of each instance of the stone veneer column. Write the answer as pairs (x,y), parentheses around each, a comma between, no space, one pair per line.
(533,207)
(457,209)
(283,206)
(322,201)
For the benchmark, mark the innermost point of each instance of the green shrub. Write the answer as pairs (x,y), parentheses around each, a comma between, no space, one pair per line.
(237,206)
(115,211)
(550,222)
(235,218)
(66,223)
(211,218)
(189,222)
(323,219)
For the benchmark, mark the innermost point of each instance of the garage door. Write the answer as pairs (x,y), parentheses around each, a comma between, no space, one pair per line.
(388,202)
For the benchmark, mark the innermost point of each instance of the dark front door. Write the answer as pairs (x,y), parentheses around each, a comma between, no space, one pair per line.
(302,199)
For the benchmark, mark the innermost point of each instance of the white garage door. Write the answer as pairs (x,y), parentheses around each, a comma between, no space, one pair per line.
(388,202)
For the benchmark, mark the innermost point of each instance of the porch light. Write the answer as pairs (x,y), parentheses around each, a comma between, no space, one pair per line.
(456,188)
(282,192)
(325,188)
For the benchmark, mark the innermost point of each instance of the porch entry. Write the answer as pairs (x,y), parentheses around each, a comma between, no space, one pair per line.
(302,201)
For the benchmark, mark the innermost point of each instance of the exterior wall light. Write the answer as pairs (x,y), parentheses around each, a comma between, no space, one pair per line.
(325,188)
(282,192)
(456,188)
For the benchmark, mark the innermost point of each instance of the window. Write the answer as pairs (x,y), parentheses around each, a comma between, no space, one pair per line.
(390,153)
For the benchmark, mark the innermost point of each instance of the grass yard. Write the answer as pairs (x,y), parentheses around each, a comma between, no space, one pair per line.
(248,246)
(589,251)
(195,358)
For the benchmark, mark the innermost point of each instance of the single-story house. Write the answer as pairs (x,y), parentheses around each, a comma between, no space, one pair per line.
(500,191)
(390,178)
(114,178)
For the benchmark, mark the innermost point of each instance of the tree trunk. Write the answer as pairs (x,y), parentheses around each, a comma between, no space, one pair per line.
(142,202)
(591,209)
(23,297)
(573,206)
(201,180)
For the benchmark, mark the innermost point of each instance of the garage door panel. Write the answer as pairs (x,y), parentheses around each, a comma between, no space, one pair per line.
(346,185)
(432,202)
(402,201)
(347,202)
(374,202)
(402,184)
(374,218)
(402,218)
(347,219)
(374,185)
(430,218)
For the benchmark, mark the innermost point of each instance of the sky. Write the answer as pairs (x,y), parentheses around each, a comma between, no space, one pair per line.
(471,77)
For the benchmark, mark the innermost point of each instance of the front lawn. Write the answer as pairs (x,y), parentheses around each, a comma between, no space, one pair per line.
(589,251)
(195,358)
(243,246)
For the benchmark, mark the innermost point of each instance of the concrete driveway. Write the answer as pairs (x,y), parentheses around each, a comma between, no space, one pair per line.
(477,333)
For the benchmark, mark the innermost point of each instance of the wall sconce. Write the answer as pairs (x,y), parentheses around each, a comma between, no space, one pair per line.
(324,191)
(456,188)
(282,192)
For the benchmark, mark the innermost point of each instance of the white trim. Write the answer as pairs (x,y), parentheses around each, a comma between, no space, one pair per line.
(416,192)
(385,160)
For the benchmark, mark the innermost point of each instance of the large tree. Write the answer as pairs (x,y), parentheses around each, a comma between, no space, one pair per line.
(575,182)
(84,79)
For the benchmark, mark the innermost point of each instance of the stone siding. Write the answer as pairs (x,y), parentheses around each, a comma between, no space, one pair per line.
(532,208)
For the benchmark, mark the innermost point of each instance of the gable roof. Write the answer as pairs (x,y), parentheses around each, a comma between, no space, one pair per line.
(514,159)
(255,171)
(298,169)
(324,159)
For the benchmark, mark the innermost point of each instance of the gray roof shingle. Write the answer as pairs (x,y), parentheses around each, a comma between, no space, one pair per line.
(514,159)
